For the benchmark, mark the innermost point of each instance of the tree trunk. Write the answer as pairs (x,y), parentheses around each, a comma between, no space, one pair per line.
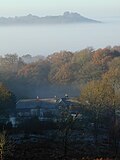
(96,129)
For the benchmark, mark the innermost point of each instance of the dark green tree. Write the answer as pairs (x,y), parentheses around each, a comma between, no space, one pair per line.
(7,100)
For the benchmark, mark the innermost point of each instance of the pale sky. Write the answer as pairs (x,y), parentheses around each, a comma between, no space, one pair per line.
(89,8)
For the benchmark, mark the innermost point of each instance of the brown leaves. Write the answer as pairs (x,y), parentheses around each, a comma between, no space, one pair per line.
(102,56)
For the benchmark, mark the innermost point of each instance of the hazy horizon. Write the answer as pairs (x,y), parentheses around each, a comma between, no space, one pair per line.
(44,40)
(61,13)
(90,8)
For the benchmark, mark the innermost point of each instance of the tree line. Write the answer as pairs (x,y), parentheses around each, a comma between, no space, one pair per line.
(64,68)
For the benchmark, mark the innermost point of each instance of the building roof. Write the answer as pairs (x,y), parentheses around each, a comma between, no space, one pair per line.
(34,103)
(50,103)
(67,102)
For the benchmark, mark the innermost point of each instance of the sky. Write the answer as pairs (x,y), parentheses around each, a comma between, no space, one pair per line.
(89,8)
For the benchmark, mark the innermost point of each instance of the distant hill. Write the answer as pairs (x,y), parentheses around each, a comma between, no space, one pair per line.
(67,17)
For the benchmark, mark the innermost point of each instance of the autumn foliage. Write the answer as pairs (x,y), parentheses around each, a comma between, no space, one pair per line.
(61,68)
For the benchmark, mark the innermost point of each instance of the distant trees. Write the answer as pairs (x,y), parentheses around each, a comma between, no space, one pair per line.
(97,96)
(61,68)
(60,72)
(9,63)
(6,147)
(2,144)
(113,74)
(63,75)
(97,93)
(103,96)
(7,100)
(35,73)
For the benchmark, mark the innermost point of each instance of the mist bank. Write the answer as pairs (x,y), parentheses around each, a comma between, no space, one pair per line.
(46,39)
